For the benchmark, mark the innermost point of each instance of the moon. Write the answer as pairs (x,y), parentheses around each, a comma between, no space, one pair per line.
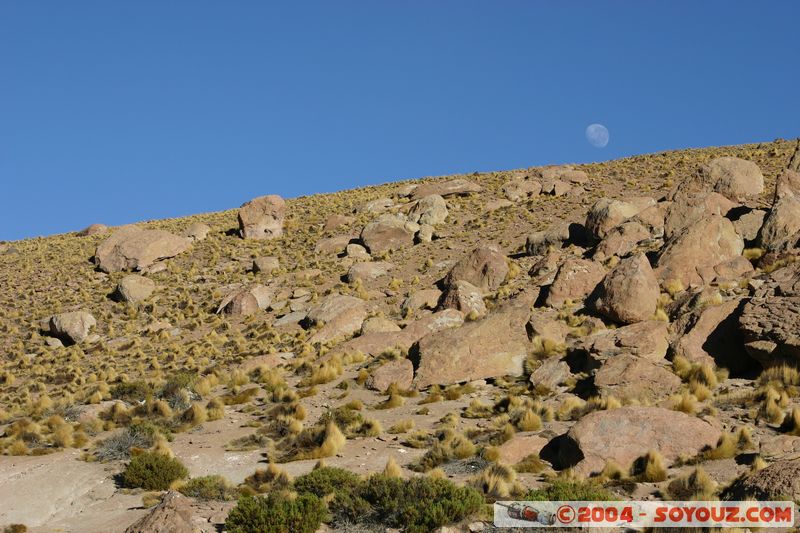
(597,135)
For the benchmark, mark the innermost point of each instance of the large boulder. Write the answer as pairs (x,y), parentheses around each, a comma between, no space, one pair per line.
(333,245)
(490,347)
(627,433)
(629,293)
(368,271)
(646,339)
(172,515)
(539,242)
(607,213)
(197,231)
(781,229)
(621,240)
(734,178)
(454,187)
(72,327)
(134,288)
(262,217)
(421,299)
(485,267)
(336,315)
(576,279)
(132,248)
(770,321)
(465,297)
(430,210)
(691,255)
(387,232)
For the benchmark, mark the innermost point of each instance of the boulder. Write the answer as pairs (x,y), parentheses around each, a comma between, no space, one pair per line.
(430,210)
(539,242)
(691,255)
(629,377)
(94,229)
(454,187)
(197,231)
(266,264)
(262,217)
(627,433)
(629,292)
(555,187)
(368,271)
(564,173)
(398,371)
(375,206)
(425,233)
(770,321)
(519,447)
(545,325)
(690,208)
(172,515)
(779,481)
(781,229)
(72,327)
(132,248)
(652,218)
(490,347)
(607,213)
(386,233)
(134,288)
(356,251)
(576,279)
(734,178)
(521,189)
(621,240)
(485,267)
(733,270)
(465,297)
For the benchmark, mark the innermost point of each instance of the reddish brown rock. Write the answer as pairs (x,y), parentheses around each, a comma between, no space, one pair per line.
(172,515)
(465,297)
(629,293)
(576,279)
(132,248)
(386,233)
(629,377)
(455,187)
(519,447)
(485,267)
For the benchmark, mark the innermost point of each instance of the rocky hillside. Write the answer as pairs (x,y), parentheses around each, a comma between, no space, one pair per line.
(625,329)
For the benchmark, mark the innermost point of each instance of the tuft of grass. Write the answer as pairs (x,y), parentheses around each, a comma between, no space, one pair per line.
(402,426)
(212,487)
(697,485)
(392,469)
(650,467)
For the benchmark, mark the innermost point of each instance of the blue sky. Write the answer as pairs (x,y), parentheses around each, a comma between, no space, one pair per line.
(116,112)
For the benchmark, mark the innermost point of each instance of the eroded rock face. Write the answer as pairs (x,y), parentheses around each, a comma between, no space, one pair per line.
(710,334)
(646,339)
(135,288)
(692,207)
(172,515)
(485,267)
(627,433)
(262,217)
(71,328)
(455,187)
(575,280)
(690,257)
(491,347)
(430,210)
(770,321)
(387,232)
(635,378)
(132,248)
(338,315)
(629,293)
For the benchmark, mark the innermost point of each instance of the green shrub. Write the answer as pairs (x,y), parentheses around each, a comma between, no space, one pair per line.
(276,514)
(345,486)
(569,490)
(209,488)
(153,471)
(134,391)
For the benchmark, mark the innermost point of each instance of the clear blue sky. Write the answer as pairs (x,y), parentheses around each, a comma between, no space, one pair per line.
(116,112)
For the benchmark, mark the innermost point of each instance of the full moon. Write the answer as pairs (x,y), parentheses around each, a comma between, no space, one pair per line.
(597,135)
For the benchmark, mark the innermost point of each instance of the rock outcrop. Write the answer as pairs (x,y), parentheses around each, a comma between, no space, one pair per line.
(132,248)
(262,217)
(485,267)
(629,293)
